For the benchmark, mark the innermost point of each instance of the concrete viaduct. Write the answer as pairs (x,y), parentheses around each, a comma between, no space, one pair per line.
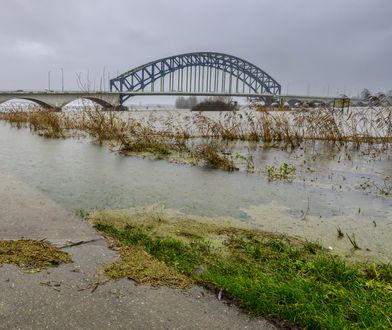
(57,100)
(113,100)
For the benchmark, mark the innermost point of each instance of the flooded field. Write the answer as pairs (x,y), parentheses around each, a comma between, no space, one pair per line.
(333,186)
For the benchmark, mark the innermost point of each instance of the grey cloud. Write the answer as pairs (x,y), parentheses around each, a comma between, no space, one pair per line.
(340,44)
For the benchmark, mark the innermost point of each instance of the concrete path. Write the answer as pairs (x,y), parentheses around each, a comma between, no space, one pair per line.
(66,297)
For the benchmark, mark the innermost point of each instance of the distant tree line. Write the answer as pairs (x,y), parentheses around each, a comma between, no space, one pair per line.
(186,102)
(376,99)
(214,103)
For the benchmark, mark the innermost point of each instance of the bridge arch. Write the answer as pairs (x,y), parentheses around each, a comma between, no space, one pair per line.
(31,99)
(96,100)
(204,75)
(57,100)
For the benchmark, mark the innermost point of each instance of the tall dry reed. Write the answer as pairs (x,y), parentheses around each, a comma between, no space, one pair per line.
(357,125)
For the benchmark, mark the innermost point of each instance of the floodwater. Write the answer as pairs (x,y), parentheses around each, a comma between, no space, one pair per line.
(325,194)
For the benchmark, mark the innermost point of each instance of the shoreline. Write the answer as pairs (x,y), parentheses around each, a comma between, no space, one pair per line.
(106,260)
(71,296)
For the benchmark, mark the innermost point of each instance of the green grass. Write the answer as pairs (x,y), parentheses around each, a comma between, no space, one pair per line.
(274,275)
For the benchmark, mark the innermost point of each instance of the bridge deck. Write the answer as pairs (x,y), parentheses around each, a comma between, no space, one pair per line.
(93,94)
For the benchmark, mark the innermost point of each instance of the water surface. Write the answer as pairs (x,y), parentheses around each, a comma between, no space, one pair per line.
(82,175)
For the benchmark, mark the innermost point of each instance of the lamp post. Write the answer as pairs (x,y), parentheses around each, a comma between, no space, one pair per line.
(62,80)
(49,81)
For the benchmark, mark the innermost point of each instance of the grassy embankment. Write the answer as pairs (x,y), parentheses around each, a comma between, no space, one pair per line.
(267,274)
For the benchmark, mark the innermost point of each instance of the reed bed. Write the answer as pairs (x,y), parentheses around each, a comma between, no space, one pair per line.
(358,125)
(45,122)
(163,135)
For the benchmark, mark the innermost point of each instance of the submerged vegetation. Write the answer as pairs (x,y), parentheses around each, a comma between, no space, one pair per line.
(208,154)
(384,189)
(268,274)
(236,140)
(357,126)
(30,254)
(284,172)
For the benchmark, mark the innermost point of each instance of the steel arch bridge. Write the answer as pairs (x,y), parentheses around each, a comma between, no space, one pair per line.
(201,73)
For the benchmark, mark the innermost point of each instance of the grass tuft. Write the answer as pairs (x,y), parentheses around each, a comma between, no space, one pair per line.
(353,241)
(340,232)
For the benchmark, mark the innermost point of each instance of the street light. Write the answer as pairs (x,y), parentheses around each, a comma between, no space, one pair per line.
(62,80)
(49,81)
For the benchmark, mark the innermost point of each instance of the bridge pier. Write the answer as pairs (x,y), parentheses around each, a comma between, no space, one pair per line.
(268,100)
(115,108)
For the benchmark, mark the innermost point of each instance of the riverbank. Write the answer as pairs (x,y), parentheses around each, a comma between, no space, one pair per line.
(70,296)
(290,273)
(269,274)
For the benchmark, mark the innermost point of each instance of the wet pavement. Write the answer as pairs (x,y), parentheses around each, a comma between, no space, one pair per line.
(68,297)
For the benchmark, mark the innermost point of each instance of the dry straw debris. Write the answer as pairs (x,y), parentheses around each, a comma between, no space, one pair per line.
(138,265)
(31,254)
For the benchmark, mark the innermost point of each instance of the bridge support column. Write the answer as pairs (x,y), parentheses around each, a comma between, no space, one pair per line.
(115,108)
(268,100)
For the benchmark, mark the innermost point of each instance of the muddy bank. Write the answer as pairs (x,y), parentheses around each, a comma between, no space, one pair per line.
(373,239)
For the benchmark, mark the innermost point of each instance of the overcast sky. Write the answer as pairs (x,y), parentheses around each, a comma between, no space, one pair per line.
(306,45)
